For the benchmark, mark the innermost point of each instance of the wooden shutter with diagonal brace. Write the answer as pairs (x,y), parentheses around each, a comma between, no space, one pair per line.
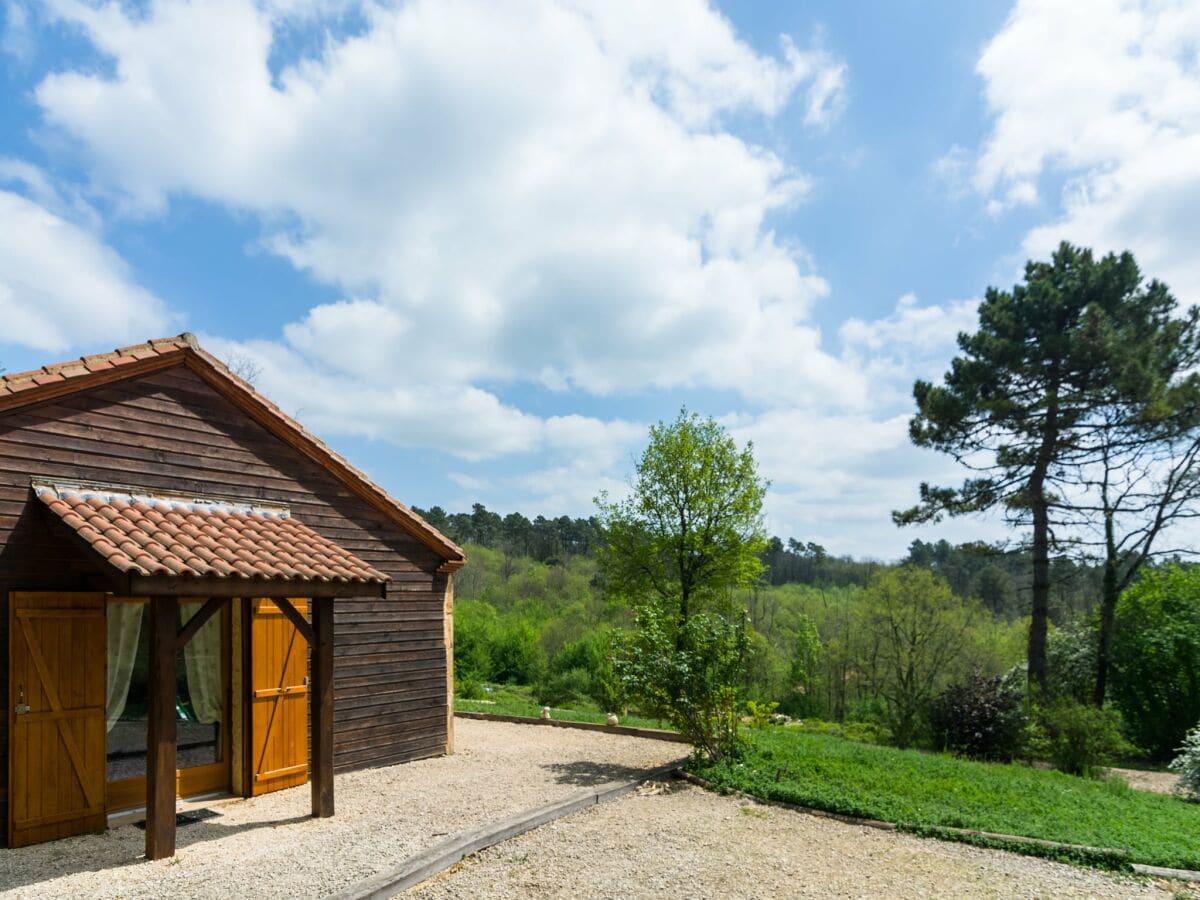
(278,699)
(57,672)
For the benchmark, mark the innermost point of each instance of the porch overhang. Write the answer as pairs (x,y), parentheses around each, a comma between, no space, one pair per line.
(167,547)
(157,544)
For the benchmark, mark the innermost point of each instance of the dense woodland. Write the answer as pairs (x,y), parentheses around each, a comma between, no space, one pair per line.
(531,610)
(1075,412)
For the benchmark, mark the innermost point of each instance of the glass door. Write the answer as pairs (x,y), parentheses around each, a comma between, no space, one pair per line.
(202,705)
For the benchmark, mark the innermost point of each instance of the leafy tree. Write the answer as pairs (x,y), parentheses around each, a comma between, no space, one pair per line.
(1156,658)
(689,532)
(1019,403)
(919,629)
(803,672)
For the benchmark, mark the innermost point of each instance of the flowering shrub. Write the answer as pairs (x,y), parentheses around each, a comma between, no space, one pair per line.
(1187,764)
(981,718)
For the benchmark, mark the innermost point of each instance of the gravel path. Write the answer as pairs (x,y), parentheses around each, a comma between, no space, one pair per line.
(1155,782)
(681,841)
(270,847)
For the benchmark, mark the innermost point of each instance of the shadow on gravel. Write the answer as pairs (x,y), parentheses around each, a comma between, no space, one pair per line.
(589,774)
(110,849)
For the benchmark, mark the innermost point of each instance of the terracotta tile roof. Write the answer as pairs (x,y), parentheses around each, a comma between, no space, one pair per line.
(148,534)
(87,365)
(80,374)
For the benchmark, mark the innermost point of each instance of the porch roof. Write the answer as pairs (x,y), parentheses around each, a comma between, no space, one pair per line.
(189,545)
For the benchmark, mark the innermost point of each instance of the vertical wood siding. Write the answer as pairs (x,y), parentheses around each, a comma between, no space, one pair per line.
(170,431)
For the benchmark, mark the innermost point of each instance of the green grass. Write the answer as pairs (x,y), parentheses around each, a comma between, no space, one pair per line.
(514,701)
(923,792)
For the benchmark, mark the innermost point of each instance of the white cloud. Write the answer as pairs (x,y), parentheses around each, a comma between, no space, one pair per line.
(913,342)
(60,286)
(517,191)
(519,194)
(16,38)
(1105,93)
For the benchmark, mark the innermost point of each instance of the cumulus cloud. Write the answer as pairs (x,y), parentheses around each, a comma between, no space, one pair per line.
(548,183)
(513,198)
(61,286)
(16,33)
(1105,95)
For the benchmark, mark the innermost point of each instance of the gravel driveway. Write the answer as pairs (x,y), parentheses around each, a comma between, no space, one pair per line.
(270,847)
(681,841)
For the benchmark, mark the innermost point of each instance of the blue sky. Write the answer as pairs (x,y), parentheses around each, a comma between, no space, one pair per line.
(479,247)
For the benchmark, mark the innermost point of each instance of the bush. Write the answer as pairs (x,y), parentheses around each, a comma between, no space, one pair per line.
(468,688)
(1076,738)
(1155,657)
(516,654)
(760,713)
(1071,662)
(1187,764)
(564,689)
(686,675)
(860,732)
(981,718)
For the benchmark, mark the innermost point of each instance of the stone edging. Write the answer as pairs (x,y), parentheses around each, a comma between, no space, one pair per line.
(656,734)
(443,855)
(1160,872)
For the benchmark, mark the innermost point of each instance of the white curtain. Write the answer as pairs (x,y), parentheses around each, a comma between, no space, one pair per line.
(124,626)
(202,659)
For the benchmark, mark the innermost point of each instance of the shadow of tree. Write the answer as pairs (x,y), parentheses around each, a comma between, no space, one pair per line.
(586,773)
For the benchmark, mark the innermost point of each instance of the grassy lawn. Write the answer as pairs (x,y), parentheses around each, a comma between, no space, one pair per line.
(515,701)
(922,791)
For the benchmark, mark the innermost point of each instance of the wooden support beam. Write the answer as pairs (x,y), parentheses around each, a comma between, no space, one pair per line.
(293,614)
(321,706)
(160,749)
(152,585)
(196,622)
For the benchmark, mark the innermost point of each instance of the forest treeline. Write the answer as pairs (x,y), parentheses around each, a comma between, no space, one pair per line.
(531,610)
(998,577)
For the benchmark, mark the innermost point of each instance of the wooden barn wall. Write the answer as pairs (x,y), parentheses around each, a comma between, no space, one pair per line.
(171,431)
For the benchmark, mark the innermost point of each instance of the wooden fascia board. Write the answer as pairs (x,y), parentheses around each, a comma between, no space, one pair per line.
(78,383)
(297,440)
(167,585)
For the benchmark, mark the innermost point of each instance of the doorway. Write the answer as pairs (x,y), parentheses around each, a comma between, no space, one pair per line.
(202,703)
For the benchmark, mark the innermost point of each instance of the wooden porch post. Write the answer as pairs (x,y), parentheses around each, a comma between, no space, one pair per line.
(160,749)
(321,706)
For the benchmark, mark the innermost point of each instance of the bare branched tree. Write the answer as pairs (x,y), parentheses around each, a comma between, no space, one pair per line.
(244,367)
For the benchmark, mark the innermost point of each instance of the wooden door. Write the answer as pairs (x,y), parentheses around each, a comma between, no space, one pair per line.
(278,686)
(57,674)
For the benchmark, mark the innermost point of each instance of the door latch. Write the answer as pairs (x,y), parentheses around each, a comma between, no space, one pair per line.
(22,707)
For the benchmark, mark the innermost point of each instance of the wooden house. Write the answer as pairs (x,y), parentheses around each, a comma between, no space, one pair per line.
(199,596)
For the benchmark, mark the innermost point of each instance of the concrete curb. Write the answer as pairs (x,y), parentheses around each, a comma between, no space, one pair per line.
(627,730)
(443,855)
(1160,872)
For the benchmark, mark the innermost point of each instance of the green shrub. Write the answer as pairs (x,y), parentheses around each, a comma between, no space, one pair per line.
(1187,764)
(1075,737)
(564,689)
(1155,658)
(861,732)
(517,655)
(982,718)
(1071,662)
(469,688)
(760,713)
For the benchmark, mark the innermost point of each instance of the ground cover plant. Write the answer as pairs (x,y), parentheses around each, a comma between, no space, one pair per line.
(513,700)
(924,792)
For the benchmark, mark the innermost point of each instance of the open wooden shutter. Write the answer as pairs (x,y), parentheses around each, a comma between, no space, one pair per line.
(278,699)
(57,673)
